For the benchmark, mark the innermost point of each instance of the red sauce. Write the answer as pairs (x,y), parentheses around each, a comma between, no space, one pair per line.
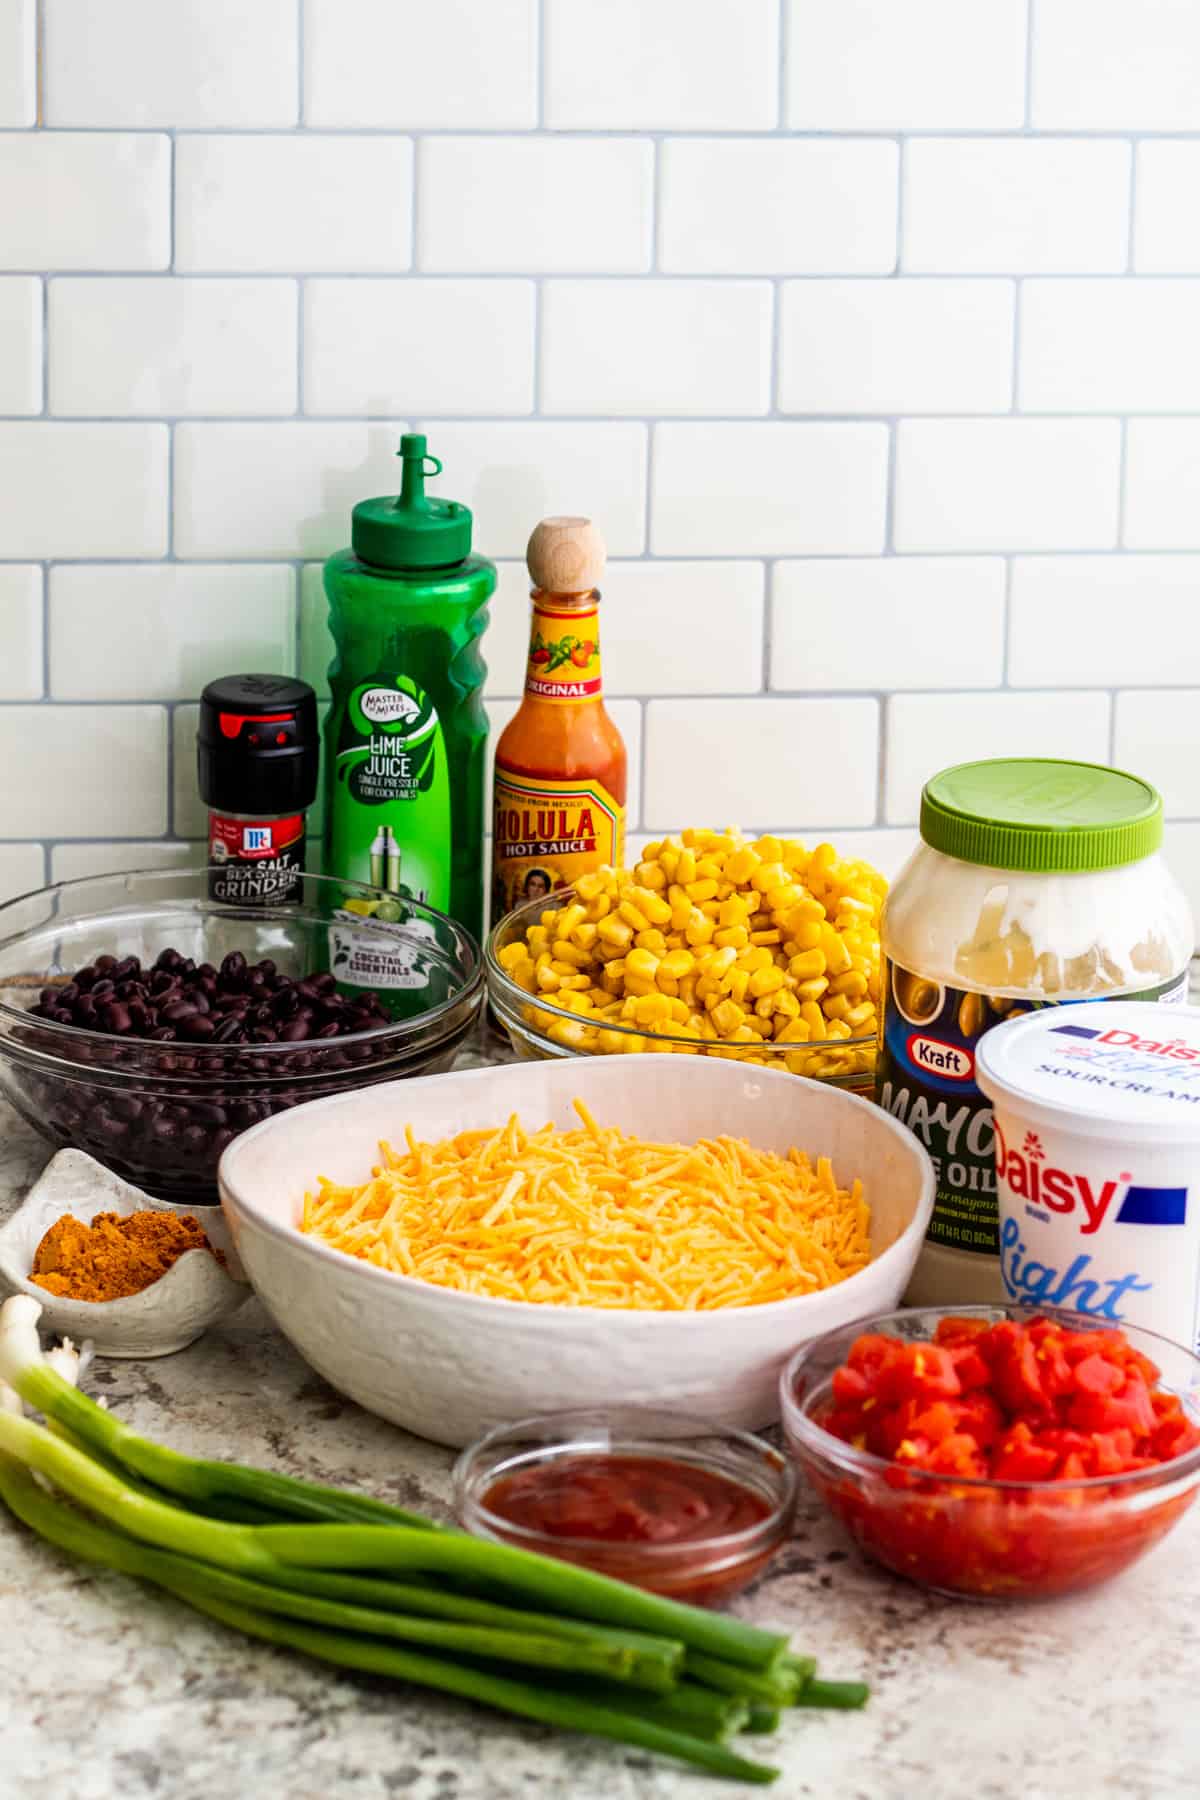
(596,1504)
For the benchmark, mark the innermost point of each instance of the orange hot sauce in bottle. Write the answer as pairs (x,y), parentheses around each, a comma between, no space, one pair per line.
(560,763)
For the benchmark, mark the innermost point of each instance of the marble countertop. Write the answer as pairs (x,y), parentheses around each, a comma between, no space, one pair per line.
(109,1691)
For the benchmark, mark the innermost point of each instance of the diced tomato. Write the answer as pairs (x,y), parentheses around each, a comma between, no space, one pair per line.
(1009,1402)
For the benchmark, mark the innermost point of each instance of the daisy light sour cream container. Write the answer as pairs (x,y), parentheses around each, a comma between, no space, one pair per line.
(1097,1126)
(1036,884)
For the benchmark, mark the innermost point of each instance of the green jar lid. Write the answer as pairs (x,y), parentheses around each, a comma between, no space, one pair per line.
(1035,814)
(409,530)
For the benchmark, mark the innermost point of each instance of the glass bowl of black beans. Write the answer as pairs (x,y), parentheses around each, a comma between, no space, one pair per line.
(147,1024)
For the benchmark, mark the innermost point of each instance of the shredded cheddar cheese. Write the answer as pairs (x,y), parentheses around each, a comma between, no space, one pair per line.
(595,1217)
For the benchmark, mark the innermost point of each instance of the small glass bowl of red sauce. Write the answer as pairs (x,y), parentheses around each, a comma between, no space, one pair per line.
(658,1499)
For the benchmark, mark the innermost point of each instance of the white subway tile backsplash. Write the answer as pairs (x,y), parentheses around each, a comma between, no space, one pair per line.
(76,771)
(1007,484)
(1167,226)
(758,206)
(22,869)
(868,450)
(1155,736)
(1116,65)
(1162,486)
(188,63)
(20,344)
(997,206)
(18,68)
(784,488)
(379,347)
(746,762)
(164,345)
(928,732)
(306,479)
(874,65)
(888,622)
(161,631)
(1110,346)
(189,816)
(309,203)
(403,64)
(73,862)
(525,204)
(82,490)
(85,200)
(1103,621)
(21,631)
(678,65)
(513,475)
(664,347)
(896,346)
(682,627)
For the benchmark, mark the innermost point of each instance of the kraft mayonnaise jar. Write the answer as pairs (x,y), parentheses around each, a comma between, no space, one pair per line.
(1035,883)
(1098,1161)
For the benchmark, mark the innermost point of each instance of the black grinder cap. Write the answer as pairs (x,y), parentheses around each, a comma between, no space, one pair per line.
(257,745)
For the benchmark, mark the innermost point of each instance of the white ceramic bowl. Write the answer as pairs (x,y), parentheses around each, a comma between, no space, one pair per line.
(449,1366)
(195,1292)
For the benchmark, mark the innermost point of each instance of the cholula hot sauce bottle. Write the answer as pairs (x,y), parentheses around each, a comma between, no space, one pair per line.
(560,763)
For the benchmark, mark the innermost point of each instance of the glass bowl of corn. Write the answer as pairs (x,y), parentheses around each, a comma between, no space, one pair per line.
(758,950)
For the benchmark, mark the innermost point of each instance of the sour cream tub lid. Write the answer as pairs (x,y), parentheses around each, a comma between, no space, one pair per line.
(1124,1067)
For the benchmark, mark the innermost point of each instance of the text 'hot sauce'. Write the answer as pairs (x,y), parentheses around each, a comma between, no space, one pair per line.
(560,763)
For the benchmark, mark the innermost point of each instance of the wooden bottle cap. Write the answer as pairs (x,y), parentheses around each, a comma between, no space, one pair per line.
(566,556)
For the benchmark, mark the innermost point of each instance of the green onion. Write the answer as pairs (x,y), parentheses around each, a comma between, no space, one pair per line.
(71,1531)
(847,1696)
(775,1687)
(761,1717)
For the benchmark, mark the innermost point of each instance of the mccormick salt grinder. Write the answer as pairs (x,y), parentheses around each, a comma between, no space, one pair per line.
(257,749)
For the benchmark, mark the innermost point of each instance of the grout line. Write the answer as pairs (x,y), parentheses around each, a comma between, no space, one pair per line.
(45,693)
(300,94)
(414,202)
(1122,486)
(889,502)
(39,64)
(483,277)
(625,133)
(540,65)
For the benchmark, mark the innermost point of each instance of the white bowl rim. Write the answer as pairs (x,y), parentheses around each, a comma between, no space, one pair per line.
(326,1254)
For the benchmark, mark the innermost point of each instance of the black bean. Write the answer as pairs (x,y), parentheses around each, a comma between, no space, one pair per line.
(163,1034)
(114,1016)
(294,1032)
(229,1031)
(103,964)
(178,1012)
(198,1027)
(103,989)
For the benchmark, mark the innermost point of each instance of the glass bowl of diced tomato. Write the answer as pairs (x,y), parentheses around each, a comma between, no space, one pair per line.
(999,1452)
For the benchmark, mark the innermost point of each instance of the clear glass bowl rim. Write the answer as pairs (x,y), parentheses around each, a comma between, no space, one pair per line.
(469,990)
(798,1423)
(502,987)
(570,1427)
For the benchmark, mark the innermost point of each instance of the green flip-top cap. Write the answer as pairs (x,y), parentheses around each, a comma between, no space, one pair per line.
(411,530)
(1041,816)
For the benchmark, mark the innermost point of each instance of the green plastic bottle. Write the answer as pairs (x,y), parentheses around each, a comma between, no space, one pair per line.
(406,737)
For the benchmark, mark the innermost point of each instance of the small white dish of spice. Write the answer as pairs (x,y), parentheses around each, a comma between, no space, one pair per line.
(139,1276)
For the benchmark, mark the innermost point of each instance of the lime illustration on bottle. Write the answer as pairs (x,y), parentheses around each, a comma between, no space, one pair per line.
(406,736)
(391,754)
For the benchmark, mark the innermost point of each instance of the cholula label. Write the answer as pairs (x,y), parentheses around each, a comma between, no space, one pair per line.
(549,833)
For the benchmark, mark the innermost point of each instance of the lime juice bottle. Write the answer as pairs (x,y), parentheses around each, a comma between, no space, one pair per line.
(406,737)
